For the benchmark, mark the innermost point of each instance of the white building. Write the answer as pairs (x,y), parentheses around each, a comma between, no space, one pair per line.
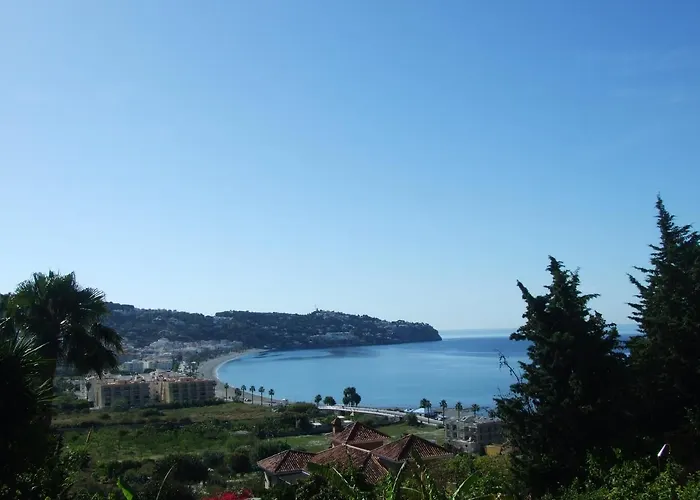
(134,366)
(473,433)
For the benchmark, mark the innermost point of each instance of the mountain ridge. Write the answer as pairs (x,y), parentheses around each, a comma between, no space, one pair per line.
(271,330)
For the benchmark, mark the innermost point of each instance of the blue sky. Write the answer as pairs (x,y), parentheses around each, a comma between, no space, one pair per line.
(402,159)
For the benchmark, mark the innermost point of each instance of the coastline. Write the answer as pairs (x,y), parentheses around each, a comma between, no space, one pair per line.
(209,368)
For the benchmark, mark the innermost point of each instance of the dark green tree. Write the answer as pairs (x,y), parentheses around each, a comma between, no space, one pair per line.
(329,401)
(563,403)
(66,320)
(665,359)
(317,399)
(24,439)
(351,397)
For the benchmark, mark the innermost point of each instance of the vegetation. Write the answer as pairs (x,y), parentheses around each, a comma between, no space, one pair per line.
(459,408)
(66,321)
(23,436)
(265,330)
(351,397)
(584,417)
(443,407)
(567,389)
(329,401)
(664,360)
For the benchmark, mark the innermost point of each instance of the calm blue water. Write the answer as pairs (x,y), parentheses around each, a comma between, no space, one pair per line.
(459,368)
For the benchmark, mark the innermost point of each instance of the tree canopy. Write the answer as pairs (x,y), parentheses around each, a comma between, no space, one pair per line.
(563,403)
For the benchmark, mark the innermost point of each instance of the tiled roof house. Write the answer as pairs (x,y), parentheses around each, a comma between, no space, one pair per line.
(359,446)
(394,453)
(358,435)
(287,466)
(343,456)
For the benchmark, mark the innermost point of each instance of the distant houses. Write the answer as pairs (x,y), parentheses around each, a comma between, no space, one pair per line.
(368,450)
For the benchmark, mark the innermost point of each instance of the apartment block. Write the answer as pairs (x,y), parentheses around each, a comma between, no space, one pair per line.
(129,392)
(183,390)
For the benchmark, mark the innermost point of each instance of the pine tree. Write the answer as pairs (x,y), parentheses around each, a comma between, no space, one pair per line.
(562,406)
(665,359)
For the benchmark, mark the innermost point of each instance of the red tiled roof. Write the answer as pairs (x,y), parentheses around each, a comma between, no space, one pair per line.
(344,456)
(286,462)
(359,433)
(403,449)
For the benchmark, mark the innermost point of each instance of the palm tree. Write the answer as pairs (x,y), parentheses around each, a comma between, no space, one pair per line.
(271,392)
(443,405)
(426,405)
(226,386)
(24,434)
(459,409)
(261,390)
(318,399)
(252,393)
(66,321)
(475,409)
(243,389)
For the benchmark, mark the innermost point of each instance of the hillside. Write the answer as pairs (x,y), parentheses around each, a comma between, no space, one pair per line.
(270,330)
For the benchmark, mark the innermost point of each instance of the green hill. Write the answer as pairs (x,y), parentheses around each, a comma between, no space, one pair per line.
(140,327)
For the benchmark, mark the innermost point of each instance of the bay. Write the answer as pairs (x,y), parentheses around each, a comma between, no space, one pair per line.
(463,367)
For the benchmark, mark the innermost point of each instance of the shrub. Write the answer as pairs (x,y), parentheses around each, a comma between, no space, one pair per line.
(186,468)
(213,459)
(239,462)
(412,420)
(266,449)
(117,468)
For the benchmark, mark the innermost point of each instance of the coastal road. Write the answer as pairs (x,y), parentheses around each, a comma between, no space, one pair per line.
(377,411)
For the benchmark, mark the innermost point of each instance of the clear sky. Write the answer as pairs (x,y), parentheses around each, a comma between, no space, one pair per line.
(404,159)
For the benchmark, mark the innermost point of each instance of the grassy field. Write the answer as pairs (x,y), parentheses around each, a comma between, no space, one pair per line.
(316,442)
(145,433)
(223,412)
(149,441)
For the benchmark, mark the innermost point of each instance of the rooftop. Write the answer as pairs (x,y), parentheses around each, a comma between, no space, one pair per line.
(359,433)
(286,462)
(404,448)
(346,455)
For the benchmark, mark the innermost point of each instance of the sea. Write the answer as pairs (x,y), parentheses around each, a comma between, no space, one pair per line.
(465,366)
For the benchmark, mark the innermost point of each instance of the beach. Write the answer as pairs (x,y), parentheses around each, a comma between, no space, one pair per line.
(208,368)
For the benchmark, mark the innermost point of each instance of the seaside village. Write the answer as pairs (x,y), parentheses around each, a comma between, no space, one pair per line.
(350,443)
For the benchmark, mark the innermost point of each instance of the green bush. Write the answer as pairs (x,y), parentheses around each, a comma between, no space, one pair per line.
(213,459)
(265,449)
(185,468)
(239,462)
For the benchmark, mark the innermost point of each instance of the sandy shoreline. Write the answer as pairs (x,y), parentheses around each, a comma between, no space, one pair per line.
(208,368)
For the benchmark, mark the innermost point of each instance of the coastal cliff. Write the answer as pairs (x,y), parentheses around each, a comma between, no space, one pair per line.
(265,330)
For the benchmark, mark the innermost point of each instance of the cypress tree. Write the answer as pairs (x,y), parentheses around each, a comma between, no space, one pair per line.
(665,359)
(563,404)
